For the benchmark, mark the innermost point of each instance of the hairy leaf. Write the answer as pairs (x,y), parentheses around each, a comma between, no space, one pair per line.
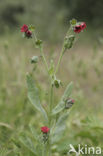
(33,96)
(61,120)
(27,142)
(58,133)
(61,104)
(34,133)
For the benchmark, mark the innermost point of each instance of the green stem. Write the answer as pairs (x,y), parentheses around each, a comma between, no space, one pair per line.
(50,118)
(62,51)
(34,35)
(41,51)
(51,104)
(69,31)
(44,60)
(44,150)
(60,58)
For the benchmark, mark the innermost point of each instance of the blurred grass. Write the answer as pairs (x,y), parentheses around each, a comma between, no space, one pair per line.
(83,65)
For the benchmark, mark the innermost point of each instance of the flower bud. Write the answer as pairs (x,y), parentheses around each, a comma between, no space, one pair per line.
(69,103)
(38,43)
(68,42)
(57,83)
(28,34)
(34,59)
(73,22)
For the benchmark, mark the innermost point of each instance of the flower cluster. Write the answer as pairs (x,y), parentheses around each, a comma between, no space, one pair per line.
(45,129)
(26,31)
(78,28)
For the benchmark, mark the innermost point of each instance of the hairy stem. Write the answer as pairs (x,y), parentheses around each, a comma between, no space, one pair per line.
(43,57)
(43,151)
(62,52)
(51,104)
(50,117)
(60,58)
(41,51)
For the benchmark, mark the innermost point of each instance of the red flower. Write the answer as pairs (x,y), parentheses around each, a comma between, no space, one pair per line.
(24,28)
(28,34)
(45,129)
(77,28)
(83,25)
(80,27)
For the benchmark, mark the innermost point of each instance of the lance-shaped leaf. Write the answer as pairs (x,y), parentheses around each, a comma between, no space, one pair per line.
(61,104)
(34,133)
(58,133)
(57,136)
(27,142)
(62,118)
(33,96)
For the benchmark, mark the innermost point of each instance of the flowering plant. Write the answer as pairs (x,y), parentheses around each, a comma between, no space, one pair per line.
(54,117)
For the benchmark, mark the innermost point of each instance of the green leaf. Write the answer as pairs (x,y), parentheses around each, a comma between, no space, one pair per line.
(58,133)
(34,133)
(61,120)
(61,104)
(63,147)
(33,96)
(27,142)
(39,149)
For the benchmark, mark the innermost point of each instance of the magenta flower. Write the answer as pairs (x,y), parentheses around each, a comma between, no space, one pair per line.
(83,25)
(77,28)
(28,34)
(24,28)
(45,129)
(80,27)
